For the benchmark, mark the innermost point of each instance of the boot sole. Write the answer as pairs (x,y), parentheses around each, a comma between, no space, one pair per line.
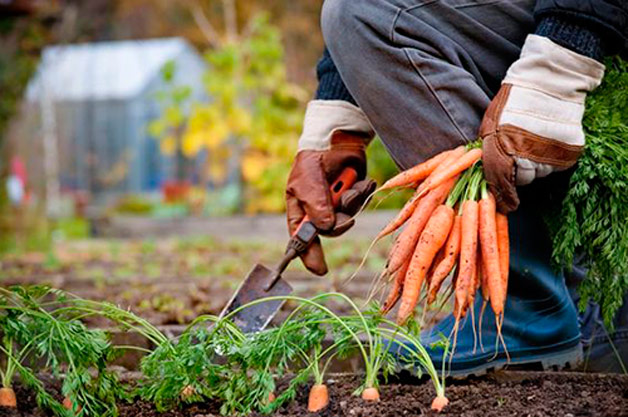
(555,361)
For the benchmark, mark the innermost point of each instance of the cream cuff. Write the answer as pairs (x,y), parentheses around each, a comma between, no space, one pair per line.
(552,69)
(324,117)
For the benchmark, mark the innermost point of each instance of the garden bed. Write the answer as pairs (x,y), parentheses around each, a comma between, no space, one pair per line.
(500,394)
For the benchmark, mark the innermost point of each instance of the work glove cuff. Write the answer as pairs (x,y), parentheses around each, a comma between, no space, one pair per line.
(325,118)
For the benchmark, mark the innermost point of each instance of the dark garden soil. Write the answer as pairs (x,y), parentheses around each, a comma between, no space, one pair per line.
(502,394)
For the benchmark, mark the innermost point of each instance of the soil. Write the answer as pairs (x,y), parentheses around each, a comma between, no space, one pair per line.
(172,282)
(532,394)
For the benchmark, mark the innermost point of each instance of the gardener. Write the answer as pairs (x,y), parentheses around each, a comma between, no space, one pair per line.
(428,76)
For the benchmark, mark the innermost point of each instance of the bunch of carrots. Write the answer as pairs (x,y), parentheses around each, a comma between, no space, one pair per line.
(451,228)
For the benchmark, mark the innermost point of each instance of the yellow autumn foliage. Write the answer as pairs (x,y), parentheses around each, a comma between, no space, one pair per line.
(252,111)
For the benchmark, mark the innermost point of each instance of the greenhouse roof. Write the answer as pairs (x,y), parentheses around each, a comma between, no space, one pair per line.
(103,70)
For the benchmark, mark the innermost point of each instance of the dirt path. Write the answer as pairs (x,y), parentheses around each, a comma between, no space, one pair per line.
(269,226)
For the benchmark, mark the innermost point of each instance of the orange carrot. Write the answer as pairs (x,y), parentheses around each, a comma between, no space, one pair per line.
(452,157)
(490,251)
(396,289)
(475,277)
(370,394)
(468,254)
(484,280)
(416,173)
(432,239)
(187,392)
(443,268)
(69,405)
(440,255)
(7,398)
(453,169)
(407,239)
(318,398)
(439,403)
(459,313)
(404,214)
(271,397)
(503,245)
(485,296)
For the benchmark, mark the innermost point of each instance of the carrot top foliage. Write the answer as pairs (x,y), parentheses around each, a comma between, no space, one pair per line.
(36,328)
(593,217)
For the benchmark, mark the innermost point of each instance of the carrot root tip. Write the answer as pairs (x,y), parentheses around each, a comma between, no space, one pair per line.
(370,394)
(187,392)
(271,397)
(69,405)
(439,403)
(7,398)
(318,398)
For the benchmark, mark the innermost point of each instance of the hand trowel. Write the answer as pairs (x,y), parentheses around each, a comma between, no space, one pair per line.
(263,282)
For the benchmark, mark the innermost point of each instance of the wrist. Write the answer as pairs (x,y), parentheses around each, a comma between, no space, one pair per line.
(574,36)
(324,118)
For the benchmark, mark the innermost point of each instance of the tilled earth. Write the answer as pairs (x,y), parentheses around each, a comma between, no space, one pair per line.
(172,281)
(533,394)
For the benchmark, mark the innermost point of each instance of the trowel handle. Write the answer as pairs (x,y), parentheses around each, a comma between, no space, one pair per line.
(305,234)
(345,181)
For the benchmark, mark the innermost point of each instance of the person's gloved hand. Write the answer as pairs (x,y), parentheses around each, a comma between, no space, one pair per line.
(533,126)
(335,137)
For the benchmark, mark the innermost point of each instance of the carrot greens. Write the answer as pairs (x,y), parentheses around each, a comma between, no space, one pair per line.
(592,219)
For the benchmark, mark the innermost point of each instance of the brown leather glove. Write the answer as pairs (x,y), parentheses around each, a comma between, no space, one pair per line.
(308,193)
(533,126)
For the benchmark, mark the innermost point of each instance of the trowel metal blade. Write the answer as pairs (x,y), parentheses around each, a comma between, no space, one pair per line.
(256,317)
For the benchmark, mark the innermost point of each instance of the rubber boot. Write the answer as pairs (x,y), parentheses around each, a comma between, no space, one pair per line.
(540,325)
(604,350)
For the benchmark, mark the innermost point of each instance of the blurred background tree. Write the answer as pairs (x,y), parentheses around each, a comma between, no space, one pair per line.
(253,113)
(261,58)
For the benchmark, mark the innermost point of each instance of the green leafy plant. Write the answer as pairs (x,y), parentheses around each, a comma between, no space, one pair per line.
(593,217)
(17,344)
(359,332)
(38,327)
(184,370)
(211,359)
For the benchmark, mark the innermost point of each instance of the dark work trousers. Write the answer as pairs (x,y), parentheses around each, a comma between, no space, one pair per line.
(424,73)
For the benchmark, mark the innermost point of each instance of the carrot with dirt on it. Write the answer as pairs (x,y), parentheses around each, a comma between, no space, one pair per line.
(490,251)
(370,394)
(485,296)
(271,397)
(405,243)
(443,266)
(446,265)
(450,158)
(404,214)
(318,398)
(396,289)
(7,398)
(430,242)
(439,403)
(468,245)
(468,254)
(416,173)
(457,166)
(187,392)
(503,246)
(69,405)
